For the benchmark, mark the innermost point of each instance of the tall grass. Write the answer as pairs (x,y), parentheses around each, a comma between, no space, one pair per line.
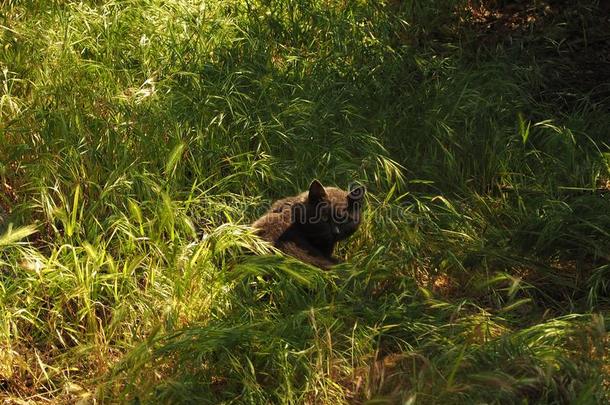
(138,139)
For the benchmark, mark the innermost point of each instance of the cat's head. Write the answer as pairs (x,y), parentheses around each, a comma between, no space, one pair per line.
(329,214)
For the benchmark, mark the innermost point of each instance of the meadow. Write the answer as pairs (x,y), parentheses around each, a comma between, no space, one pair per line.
(140,138)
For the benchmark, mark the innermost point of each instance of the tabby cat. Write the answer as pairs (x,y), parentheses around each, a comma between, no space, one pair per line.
(308,226)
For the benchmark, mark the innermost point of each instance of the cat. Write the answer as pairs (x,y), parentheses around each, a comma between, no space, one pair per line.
(307,226)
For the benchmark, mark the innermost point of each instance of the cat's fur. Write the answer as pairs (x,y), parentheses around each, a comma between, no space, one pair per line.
(307,226)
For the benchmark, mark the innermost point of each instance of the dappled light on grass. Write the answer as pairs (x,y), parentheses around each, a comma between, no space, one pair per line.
(139,139)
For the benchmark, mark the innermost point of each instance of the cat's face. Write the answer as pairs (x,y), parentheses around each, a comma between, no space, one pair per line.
(330,214)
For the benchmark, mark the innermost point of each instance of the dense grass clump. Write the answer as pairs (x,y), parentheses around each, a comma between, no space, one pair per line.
(138,139)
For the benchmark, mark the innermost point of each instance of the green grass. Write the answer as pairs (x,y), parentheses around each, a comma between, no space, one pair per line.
(139,138)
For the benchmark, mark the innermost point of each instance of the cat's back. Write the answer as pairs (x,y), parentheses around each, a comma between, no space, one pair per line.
(278,219)
(285,204)
(271,225)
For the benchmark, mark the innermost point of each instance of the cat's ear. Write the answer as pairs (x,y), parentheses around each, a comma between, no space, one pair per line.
(356,193)
(316,191)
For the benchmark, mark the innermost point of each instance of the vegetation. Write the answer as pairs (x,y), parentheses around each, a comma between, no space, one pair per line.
(138,139)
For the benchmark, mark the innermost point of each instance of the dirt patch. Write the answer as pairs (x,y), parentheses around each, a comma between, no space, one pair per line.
(570,40)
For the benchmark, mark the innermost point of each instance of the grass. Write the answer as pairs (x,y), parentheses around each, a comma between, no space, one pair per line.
(138,139)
